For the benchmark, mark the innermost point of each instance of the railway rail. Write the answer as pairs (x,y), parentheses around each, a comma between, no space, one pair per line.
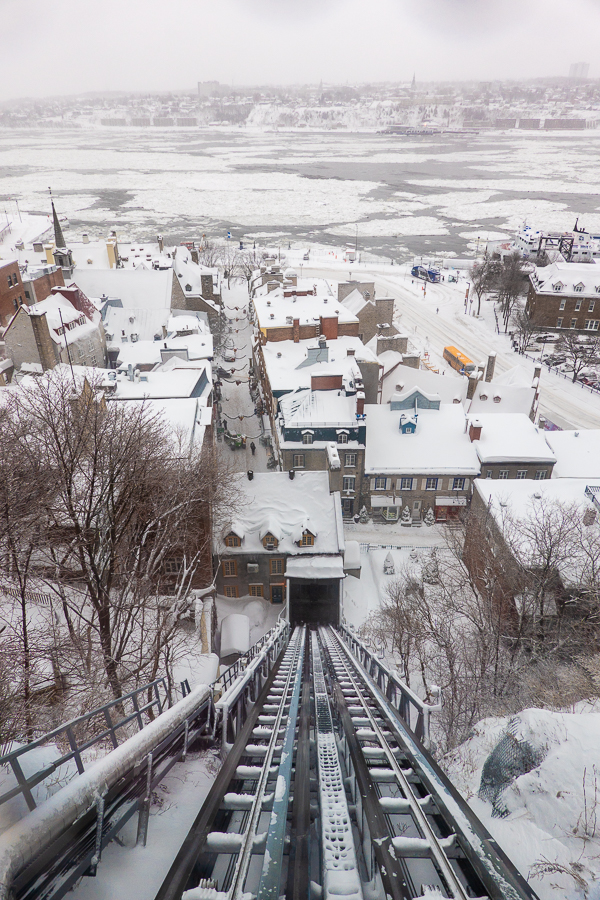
(327,793)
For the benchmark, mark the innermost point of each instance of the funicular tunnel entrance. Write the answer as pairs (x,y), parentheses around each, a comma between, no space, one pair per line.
(314,602)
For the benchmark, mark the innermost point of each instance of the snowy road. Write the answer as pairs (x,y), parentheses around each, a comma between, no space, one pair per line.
(567,405)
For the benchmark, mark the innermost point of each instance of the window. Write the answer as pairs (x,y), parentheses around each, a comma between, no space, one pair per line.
(298,460)
(9,281)
(592,324)
(541,474)
(521,473)
(276,566)
(380,484)
(573,323)
(232,540)
(431,484)
(307,438)
(577,305)
(16,303)
(256,590)
(342,438)
(348,482)
(488,473)
(173,566)
(308,539)
(270,542)
(390,513)
(458,484)
(578,288)
(559,323)
(557,287)
(563,303)
(503,474)
(350,460)
(597,288)
(591,306)
(232,590)
(230,568)
(405,484)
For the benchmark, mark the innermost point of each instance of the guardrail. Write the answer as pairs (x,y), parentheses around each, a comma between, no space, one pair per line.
(111,730)
(229,675)
(412,710)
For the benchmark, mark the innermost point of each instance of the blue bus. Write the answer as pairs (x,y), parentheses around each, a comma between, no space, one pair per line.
(426,273)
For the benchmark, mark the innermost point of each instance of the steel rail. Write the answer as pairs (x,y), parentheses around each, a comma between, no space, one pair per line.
(206,841)
(430,843)
(493,870)
(298,881)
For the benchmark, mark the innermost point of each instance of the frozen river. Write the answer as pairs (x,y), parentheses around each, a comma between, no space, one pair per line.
(396,196)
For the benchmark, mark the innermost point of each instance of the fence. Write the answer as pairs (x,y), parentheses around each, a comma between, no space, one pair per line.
(556,371)
(111,730)
(229,675)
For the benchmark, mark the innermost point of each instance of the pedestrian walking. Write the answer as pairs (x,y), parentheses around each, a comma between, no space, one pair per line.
(253,447)
(437,310)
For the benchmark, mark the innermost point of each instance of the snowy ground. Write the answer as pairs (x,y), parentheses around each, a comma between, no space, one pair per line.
(137,872)
(553,821)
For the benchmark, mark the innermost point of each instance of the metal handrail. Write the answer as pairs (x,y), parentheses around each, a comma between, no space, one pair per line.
(413,711)
(68,730)
(229,675)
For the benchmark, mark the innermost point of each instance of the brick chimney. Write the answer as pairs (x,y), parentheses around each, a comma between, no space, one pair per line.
(360,403)
(44,343)
(329,327)
(491,365)
(350,351)
(296,330)
(472,384)
(475,430)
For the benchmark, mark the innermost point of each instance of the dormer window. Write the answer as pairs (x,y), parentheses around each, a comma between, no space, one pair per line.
(308,539)
(270,542)
(497,399)
(597,288)
(342,437)
(233,540)
(307,437)
(578,287)
(483,396)
(558,286)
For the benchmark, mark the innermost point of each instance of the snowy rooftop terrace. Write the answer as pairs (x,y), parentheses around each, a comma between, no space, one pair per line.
(510,437)
(318,409)
(272,502)
(440,444)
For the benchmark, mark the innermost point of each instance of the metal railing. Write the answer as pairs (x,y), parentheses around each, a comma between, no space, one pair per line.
(412,710)
(111,730)
(229,675)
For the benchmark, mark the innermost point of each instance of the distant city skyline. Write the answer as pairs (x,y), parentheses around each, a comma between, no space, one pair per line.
(142,45)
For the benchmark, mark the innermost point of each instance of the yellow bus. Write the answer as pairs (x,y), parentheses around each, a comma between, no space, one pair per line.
(459,361)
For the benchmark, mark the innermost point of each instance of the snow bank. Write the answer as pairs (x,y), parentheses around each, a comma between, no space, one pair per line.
(550,832)
(235,634)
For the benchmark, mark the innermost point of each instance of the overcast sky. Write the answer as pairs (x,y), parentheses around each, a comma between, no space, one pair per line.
(68,46)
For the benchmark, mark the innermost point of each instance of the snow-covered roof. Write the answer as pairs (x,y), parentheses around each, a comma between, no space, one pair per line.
(288,368)
(577,453)
(65,323)
(439,445)
(355,301)
(136,288)
(546,279)
(145,323)
(273,309)
(318,409)
(510,437)
(180,382)
(198,346)
(315,567)
(185,418)
(449,388)
(512,392)
(272,502)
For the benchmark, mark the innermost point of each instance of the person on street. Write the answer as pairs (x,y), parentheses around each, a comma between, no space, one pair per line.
(253,447)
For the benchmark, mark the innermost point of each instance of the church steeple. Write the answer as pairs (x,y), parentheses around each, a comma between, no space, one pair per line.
(58,235)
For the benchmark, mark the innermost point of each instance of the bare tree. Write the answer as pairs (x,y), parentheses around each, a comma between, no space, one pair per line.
(581,351)
(248,262)
(510,285)
(210,255)
(525,331)
(483,274)
(126,522)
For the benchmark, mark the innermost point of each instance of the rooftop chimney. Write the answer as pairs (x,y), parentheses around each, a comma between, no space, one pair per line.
(350,351)
(491,365)
(360,403)
(475,430)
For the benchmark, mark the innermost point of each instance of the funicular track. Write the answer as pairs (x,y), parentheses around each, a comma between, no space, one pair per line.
(327,793)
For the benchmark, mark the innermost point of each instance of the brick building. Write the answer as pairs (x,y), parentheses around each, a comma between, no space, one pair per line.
(509,446)
(565,296)
(38,282)
(12,290)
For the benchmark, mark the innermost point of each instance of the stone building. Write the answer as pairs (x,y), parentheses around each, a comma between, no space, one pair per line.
(285,545)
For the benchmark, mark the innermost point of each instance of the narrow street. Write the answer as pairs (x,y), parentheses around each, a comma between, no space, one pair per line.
(237,407)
